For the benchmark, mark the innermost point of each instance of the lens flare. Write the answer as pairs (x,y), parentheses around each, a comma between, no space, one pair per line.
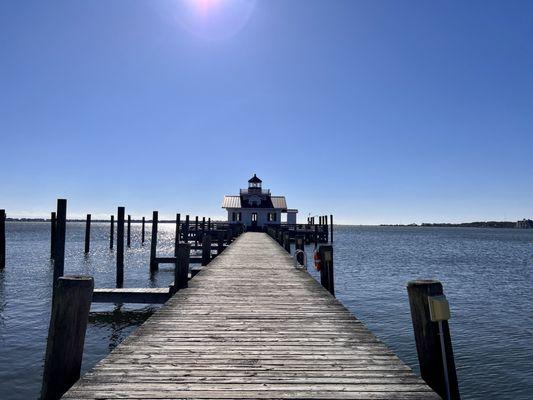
(214,19)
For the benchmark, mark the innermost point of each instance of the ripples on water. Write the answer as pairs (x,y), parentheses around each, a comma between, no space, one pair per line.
(486,275)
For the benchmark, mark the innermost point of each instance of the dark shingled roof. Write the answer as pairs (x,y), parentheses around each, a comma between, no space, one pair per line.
(254,179)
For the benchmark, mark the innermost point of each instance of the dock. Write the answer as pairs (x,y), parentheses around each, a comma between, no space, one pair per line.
(250,325)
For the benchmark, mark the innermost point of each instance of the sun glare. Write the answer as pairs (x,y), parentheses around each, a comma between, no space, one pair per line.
(214,19)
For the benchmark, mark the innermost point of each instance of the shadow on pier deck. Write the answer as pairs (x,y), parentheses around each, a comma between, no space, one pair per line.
(252,326)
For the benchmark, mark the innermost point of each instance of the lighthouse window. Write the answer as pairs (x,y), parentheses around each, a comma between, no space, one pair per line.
(236,216)
(272,217)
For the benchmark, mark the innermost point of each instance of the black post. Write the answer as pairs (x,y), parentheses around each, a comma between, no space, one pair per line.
(53,222)
(59,252)
(87,233)
(299,245)
(153,244)
(181,271)
(203,229)
(331,227)
(206,249)
(287,242)
(177,235)
(128,236)
(428,340)
(316,235)
(66,335)
(209,224)
(120,247)
(2,239)
(142,231)
(186,229)
(111,232)
(326,271)
(196,232)
(220,241)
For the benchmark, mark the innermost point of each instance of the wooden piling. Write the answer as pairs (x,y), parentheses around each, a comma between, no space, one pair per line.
(203,229)
(111,232)
(196,232)
(142,230)
(87,233)
(206,249)
(181,271)
(186,229)
(53,222)
(428,340)
(220,242)
(2,239)
(59,251)
(66,335)
(316,235)
(128,236)
(326,271)
(331,227)
(177,235)
(287,242)
(153,245)
(209,225)
(299,245)
(120,247)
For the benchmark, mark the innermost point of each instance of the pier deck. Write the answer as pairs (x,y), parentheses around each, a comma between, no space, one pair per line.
(252,326)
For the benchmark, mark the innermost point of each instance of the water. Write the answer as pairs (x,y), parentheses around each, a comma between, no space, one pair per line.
(486,275)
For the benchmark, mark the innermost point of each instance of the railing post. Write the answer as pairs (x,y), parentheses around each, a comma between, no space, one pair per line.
(316,235)
(2,239)
(206,249)
(196,232)
(428,339)
(87,233)
(59,252)
(181,270)
(327,278)
(229,235)
(153,244)
(66,335)
(128,236)
(142,230)
(120,247)
(111,232)
(209,224)
(53,222)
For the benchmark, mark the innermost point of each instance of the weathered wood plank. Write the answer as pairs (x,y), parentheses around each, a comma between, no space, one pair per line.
(252,326)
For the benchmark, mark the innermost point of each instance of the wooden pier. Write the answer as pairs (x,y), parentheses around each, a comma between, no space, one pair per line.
(250,325)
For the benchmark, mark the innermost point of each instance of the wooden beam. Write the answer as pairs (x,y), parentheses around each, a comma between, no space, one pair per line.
(129,295)
(120,247)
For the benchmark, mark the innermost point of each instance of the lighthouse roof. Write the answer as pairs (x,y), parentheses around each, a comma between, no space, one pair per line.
(254,179)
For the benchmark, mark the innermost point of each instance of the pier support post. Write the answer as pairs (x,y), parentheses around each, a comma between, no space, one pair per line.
(66,335)
(120,247)
(326,271)
(53,222)
(186,229)
(142,230)
(428,340)
(111,232)
(229,235)
(128,236)
(181,271)
(59,251)
(316,235)
(206,250)
(2,239)
(196,232)
(177,235)
(331,227)
(209,225)
(299,245)
(220,242)
(153,244)
(287,242)
(88,233)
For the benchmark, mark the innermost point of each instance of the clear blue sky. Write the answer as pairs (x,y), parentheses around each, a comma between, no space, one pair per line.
(376,111)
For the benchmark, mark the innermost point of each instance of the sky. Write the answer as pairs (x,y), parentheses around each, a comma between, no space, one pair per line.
(374,111)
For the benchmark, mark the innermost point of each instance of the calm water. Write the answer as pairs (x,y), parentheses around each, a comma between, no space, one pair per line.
(486,273)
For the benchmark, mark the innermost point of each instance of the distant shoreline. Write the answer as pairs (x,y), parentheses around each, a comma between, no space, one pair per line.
(477,224)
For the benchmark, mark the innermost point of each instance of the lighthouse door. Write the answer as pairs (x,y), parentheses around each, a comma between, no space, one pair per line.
(254,220)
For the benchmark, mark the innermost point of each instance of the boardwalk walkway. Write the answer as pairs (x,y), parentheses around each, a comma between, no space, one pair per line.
(252,326)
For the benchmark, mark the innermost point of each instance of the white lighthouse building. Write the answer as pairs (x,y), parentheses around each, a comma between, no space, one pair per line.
(256,208)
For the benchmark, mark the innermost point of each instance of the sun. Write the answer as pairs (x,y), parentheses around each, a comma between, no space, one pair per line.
(214,19)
